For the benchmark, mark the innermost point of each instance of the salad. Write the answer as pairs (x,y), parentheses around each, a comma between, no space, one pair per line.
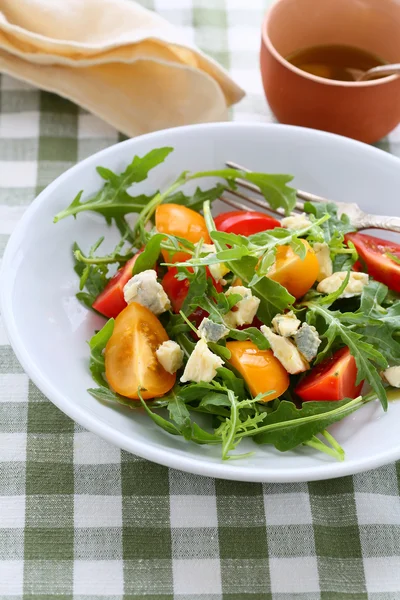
(240,325)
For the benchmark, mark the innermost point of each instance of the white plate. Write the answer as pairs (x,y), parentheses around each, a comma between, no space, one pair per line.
(48,328)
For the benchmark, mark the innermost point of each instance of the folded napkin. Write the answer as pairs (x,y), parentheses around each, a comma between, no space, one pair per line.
(115,58)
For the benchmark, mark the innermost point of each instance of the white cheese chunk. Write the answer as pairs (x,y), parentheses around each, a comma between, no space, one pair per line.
(392,376)
(323,255)
(207,248)
(355,286)
(202,364)
(212,332)
(144,289)
(286,352)
(296,222)
(218,270)
(286,325)
(246,309)
(170,356)
(307,341)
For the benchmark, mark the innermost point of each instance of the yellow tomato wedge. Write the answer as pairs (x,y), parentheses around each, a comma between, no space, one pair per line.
(259,368)
(130,355)
(295,274)
(183,222)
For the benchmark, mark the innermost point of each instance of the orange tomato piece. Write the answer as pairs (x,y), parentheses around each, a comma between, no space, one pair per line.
(295,274)
(130,355)
(259,368)
(183,222)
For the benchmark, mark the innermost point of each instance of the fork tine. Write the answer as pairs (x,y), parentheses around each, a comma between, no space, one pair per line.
(306,196)
(234,204)
(258,203)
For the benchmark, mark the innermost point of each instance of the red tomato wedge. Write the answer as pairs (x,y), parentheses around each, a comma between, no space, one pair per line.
(333,379)
(177,290)
(244,222)
(374,252)
(110,302)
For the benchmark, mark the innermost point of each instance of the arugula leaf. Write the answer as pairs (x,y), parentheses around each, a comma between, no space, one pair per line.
(97,344)
(275,190)
(92,277)
(250,333)
(192,432)
(186,344)
(288,426)
(105,394)
(113,200)
(378,322)
(197,287)
(372,297)
(195,202)
(228,432)
(231,382)
(274,298)
(343,260)
(179,413)
(108,396)
(368,358)
(148,258)
(333,227)
(159,420)
(220,350)
(215,403)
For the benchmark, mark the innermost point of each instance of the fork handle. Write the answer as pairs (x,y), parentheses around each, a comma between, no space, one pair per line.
(379,222)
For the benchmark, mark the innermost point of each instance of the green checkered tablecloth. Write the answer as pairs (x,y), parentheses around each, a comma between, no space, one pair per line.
(80,519)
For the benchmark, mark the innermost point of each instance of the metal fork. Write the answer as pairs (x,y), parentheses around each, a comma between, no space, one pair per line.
(358,218)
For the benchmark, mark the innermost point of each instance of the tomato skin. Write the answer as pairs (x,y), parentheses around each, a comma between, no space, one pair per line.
(183,222)
(259,368)
(372,251)
(244,222)
(110,302)
(295,274)
(177,290)
(332,380)
(130,355)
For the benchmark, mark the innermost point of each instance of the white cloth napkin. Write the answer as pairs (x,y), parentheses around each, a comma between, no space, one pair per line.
(115,58)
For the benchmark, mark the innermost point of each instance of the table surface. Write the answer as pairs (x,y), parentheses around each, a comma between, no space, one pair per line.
(80,519)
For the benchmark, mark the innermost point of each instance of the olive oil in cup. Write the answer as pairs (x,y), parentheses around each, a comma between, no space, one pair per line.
(339,62)
(365,110)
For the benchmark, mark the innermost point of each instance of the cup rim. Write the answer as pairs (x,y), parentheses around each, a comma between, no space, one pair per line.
(321,80)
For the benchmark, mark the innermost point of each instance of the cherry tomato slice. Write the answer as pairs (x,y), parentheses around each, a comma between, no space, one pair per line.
(374,252)
(130,355)
(259,368)
(333,379)
(295,274)
(111,300)
(177,290)
(183,222)
(244,222)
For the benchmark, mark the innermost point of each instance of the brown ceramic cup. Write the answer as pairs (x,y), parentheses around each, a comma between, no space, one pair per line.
(365,111)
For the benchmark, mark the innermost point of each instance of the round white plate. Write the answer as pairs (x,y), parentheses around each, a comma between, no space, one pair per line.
(48,328)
